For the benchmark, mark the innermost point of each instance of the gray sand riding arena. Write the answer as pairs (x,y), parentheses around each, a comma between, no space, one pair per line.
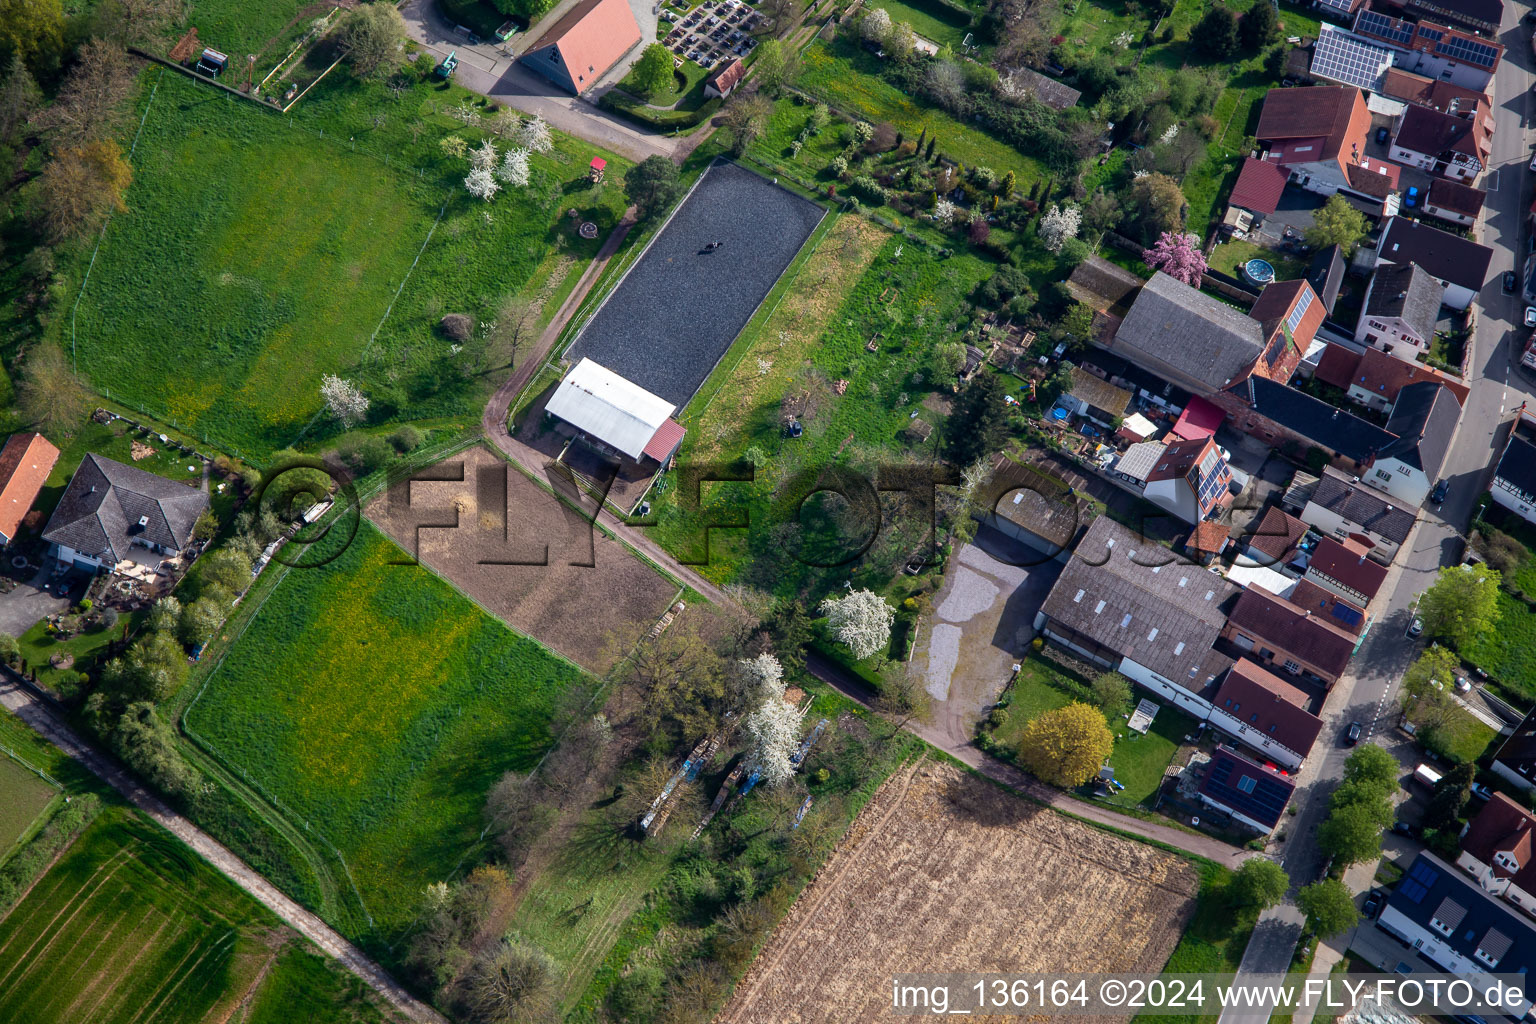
(486,527)
(945,872)
(678,309)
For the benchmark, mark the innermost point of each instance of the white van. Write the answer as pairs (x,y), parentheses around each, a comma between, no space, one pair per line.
(1427,775)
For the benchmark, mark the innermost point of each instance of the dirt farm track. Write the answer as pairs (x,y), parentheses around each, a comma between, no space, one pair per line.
(946,872)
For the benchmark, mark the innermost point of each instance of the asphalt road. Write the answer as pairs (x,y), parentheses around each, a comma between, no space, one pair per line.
(1368,694)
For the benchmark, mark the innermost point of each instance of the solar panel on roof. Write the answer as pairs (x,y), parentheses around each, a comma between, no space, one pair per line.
(1341,57)
(1416,884)
(1434,34)
(1381,25)
(1345,614)
(1465,49)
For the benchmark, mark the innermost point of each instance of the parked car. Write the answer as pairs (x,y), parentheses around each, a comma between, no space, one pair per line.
(1402,828)
(1353,733)
(1530,316)
(1510,282)
(1382,135)
(1411,198)
(1441,492)
(1373,902)
(1481,791)
(1463,684)
(1415,628)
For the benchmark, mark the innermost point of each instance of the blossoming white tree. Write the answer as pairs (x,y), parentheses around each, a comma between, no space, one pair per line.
(343,399)
(876,25)
(1059,224)
(514,168)
(482,184)
(944,211)
(760,678)
(533,134)
(862,620)
(775,731)
(483,157)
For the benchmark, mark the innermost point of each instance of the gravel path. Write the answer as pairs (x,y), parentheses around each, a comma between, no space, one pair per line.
(30,709)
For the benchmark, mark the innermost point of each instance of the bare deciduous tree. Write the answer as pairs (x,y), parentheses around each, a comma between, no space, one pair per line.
(81,186)
(512,981)
(90,103)
(49,394)
(138,22)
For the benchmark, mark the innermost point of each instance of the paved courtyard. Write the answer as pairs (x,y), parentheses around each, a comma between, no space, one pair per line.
(982,623)
(677,310)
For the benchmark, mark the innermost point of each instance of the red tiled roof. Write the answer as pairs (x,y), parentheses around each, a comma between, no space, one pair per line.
(1429,92)
(1262,700)
(592,36)
(726,78)
(1456,197)
(1277,534)
(1374,177)
(1198,420)
(1179,457)
(1335,115)
(1275,303)
(1208,537)
(1314,598)
(1348,564)
(665,441)
(1285,627)
(1338,366)
(1259,185)
(1503,826)
(1386,375)
(25,462)
(1428,131)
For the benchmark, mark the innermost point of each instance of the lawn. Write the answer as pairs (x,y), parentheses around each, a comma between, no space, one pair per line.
(38,646)
(377,705)
(948,29)
(23,798)
(272,255)
(846,77)
(129,925)
(1508,652)
(1228,257)
(1215,940)
(907,297)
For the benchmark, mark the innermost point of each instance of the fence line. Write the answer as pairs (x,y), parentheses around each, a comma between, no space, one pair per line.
(34,769)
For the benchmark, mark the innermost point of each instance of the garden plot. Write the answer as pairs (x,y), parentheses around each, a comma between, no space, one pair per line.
(525,556)
(679,307)
(957,875)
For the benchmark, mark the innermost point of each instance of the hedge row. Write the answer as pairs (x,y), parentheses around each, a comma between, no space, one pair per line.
(53,839)
(619,102)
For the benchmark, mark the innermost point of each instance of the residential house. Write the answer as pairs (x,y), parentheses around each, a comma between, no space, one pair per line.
(111,513)
(1136,463)
(1315,134)
(1479,16)
(1096,399)
(1459,263)
(724,80)
(1498,852)
(1203,345)
(1206,541)
(1192,480)
(1516,759)
(1276,632)
(614,415)
(25,462)
(1375,379)
(1252,794)
(1326,275)
(1423,420)
(1402,304)
(1346,614)
(1446,97)
(1454,201)
(1127,604)
(1282,415)
(584,44)
(1433,50)
(1345,569)
(1273,540)
(1514,478)
(1456,147)
(1258,188)
(1451,922)
(1373,187)
(1265,713)
(1341,56)
(1340,507)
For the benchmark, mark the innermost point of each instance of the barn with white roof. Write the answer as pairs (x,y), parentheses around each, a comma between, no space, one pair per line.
(616,415)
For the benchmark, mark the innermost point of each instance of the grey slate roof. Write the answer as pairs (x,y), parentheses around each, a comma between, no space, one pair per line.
(1423,418)
(1326,274)
(1183,327)
(1363,506)
(1322,424)
(100,510)
(1446,256)
(1407,291)
(1481,921)
(1138,599)
(1517,466)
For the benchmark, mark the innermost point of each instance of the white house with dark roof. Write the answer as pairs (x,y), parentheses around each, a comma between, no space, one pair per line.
(1514,478)
(1339,507)
(1424,419)
(1460,263)
(112,513)
(1402,304)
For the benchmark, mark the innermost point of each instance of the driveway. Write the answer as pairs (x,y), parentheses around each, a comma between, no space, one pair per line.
(982,624)
(29,603)
(491,70)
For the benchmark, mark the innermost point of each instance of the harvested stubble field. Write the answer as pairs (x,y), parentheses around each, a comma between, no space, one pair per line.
(525,556)
(130,926)
(677,310)
(954,874)
(378,705)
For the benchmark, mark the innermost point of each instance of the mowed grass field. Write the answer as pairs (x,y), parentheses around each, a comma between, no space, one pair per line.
(377,705)
(130,926)
(23,796)
(258,255)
